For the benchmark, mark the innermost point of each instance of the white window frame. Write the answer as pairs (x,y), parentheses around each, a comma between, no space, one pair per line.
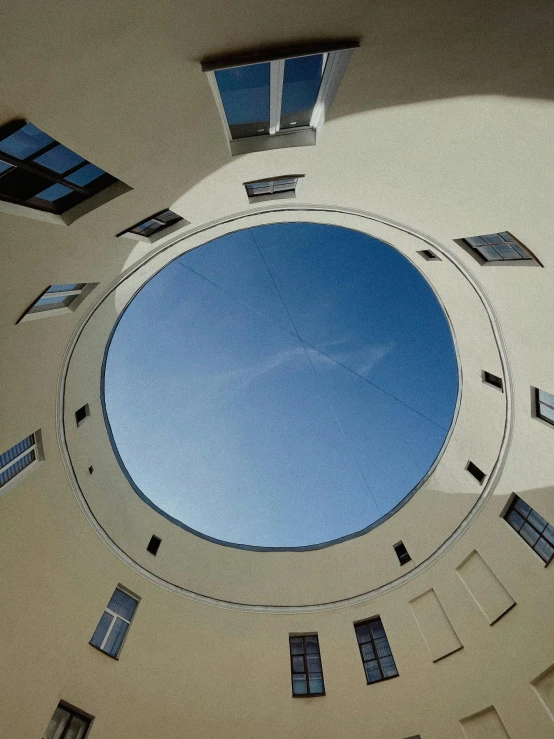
(335,60)
(80,295)
(538,403)
(279,194)
(39,456)
(114,617)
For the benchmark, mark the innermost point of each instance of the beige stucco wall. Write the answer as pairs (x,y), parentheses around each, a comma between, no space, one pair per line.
(443,123)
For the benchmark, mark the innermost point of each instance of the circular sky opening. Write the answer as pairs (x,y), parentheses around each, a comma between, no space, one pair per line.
(281,386)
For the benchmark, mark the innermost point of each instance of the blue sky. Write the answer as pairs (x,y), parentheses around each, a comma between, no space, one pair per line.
(282,386)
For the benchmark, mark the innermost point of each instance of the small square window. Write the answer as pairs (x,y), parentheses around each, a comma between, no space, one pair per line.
(115,622)
(81,414)
(273,188)
(493,380)
(429,255)
(22,455)
(478,474)
(498,248)
(402,553)
(58,299)
(154,545)
(68,723)
(305,665)
(544,406)
(154,227)
(275,100)
(532,528)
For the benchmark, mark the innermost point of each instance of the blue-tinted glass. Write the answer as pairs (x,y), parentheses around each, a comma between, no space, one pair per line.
(544,550)
(101,629)
(64,288)
(14,469)
(372,671)
(316,683)
(55,192)
(59,159)
(122,604)
(301,83)
(25,142)
(4,166)
(54,301)
(490,253)
(245,95)
(115,639)
(86,174)
(16,450)
(299,686)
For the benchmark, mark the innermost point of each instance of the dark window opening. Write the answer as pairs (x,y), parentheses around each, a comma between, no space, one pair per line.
(154,545)
(532,528)
(499,247)
(40,173)
(272,186)
(305,665)
(544,406)
(90,470)
(81,414)
(67,723)
(491,379)
(429,255)
(375,651)
(154,224)
(402,553)
(478,474)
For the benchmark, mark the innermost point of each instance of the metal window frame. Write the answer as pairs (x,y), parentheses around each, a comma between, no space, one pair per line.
(272,195)
(39,456)
(336,59)
(371,620)
(73,713)
(531,261)
(538,404)
(80,296)
(306,672)
(114,617)
(512,506)
(160,233)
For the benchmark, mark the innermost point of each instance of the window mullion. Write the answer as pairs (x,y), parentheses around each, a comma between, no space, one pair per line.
(41,171)
(108,632)
(277,71)
(18,458)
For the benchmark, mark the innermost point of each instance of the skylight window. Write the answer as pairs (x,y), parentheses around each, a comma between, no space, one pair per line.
(154,227)
(499,248)
(272,189)
(58,299)
(38,172)
(277,101)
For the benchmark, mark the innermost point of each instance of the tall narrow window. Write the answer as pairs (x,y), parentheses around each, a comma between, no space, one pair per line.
(18,458)
(58,299)
(305,664)
(154,227)
(375,651)
(38,172)
(272,189)
(498,247)
(532,528)
(275,100)
(67,723)
(544,406)
(114,624)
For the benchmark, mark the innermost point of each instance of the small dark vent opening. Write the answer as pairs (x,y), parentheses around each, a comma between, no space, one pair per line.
(81,414)
(154,545)
(402,553)
(90,470)
(478,474)
(491,379)
(429,255)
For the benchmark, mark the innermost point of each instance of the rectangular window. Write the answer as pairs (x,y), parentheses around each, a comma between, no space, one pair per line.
(273,100)
(114,624)
(473,470)
(305,665)
(40,173)
(154,227)
(375,651)
(429,255)
(81,414)
(67,723)
(494,380)
(154,545)
(544,406)
(532,528)
(402,553)
(58,299)
(499,247)
(272,189)
(18,458)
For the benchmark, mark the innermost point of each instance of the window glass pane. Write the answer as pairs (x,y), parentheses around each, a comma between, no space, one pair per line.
(297,645)
(312,645)
(146,227)
(299,685)
(367,651)
(85,174)
(298,663)
(25,142)
(521,251)
(529,534)
(16,450)
(259,189)
(4,166)
(245,95)
(489,253)
(59,159)
(101,629)
(284,185)
(548,534)
(47,303)
(475,241)
(122,604)
(316,684)
(544,550)
(65,288)
(377,629)
(506,251)
(301,83)
(382,647)
(57,723)
(388,666)
(546,398)
(314,663)
(10,472)
(55,192)
(515,520)
(77,728)
(492,238)
(546,412)
(115,639)
(372,671)
(168,216)
(505,236)
(537,521)
(362,632)
(522,507)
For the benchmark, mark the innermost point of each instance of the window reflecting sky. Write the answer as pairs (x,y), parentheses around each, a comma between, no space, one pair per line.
(282,386)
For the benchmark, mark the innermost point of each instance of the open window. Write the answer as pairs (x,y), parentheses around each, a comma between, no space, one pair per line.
(273,100)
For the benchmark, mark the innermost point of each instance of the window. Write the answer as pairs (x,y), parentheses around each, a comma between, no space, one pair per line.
(81,414)
(494,380)
(154,545)
(305,665)
(114,624)
(499,247)
(478,474)
(544,406)
(429,255)
(276,100)
(58,299)
(402,553)
(532,528)
(154,227)
(40,173)
(19,457)
(375,651)
(272,189)
(67,723)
